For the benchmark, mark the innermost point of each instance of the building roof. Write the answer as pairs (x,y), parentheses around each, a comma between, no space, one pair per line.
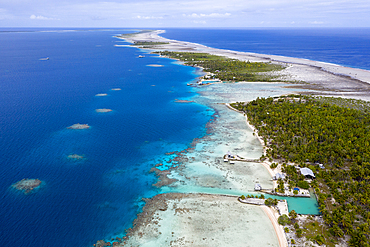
(279,175)
(307,172)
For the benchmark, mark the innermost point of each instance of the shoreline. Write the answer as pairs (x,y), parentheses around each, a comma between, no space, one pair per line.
(360,75)
(170,219)
(295,65)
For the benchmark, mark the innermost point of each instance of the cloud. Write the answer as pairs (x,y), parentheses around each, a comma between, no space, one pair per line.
(212,15)
(148,17)
(97,18)
(316,22)
(181,13)
(200,22)
(40,17)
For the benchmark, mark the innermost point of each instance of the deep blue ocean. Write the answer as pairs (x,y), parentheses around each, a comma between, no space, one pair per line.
(83,201)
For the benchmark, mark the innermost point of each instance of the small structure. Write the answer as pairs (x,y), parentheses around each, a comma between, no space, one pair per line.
(257,187)
(229,155)
(279,176)
(232,162)
(307,172)
(321,166)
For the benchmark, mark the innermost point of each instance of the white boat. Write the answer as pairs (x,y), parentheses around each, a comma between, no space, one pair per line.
(257,187)
(226,160)
(232,162)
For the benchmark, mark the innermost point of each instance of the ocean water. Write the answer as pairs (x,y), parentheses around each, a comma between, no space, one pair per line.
(98,197)
(83,201)
(343,46)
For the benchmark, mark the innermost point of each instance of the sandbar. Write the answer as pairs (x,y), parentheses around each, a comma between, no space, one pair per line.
(103,110)
(155,65)
(79,126)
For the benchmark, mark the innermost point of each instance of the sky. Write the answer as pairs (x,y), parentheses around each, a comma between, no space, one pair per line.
(184,13)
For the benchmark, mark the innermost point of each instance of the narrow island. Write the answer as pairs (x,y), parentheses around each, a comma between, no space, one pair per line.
(226,69)
(27,185)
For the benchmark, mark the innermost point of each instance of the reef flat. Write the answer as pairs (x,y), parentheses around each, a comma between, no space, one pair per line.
(27,185)
(79,126)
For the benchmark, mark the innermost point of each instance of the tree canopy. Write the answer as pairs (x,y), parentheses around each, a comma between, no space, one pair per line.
(335,132)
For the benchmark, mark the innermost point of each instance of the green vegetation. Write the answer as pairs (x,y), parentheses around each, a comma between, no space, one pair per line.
(280,187)
(335,132)
(227,69)
(127,35)
(303,185)
(299,232)
(293,215)
(271,202)
(146,44)
(273,165)
(312,229)
(283,220)
(319,239)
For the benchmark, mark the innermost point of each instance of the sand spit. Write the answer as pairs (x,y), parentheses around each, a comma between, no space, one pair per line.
(27,185)
(201,220)
(155,65)
(330,79)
